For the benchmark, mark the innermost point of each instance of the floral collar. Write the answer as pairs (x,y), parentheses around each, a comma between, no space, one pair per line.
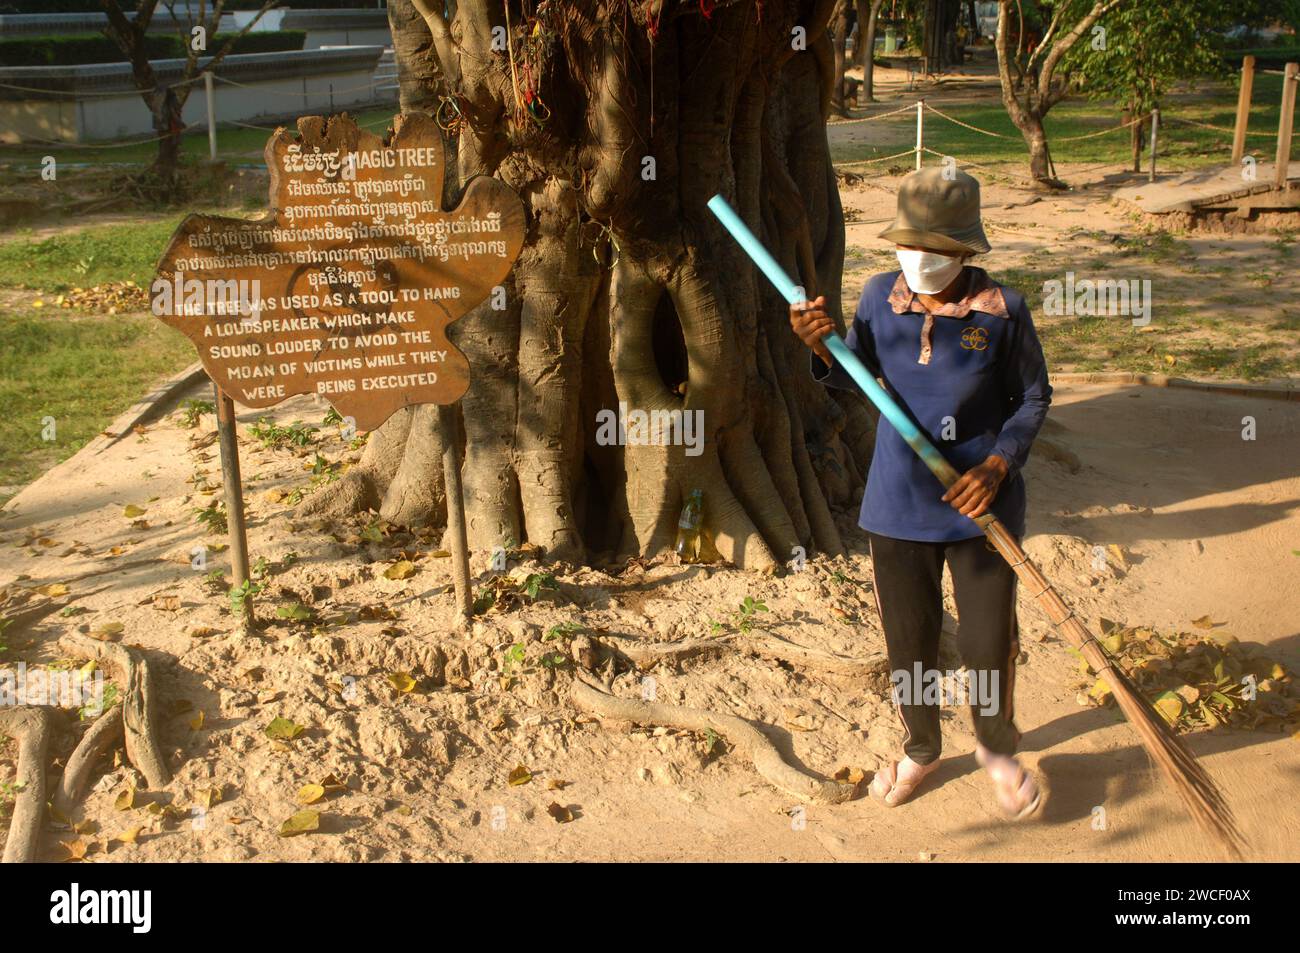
(981,295)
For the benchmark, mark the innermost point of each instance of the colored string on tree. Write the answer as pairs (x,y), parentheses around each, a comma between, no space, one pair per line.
(652,19)
(449,117)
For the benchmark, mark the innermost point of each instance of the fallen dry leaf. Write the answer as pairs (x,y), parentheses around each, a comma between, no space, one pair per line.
(304,822)
(402,569)
(403,682)
(75,849)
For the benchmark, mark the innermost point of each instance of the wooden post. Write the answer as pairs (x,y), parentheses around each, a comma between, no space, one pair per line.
(920,131)
(228,440)
(212,114)
(1243,108)
(1285,123)
(448,433)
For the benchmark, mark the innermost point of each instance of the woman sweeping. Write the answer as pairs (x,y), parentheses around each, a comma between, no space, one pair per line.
(960,354)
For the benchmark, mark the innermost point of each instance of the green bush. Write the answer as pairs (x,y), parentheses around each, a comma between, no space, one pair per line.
(1266,57)
(95,48)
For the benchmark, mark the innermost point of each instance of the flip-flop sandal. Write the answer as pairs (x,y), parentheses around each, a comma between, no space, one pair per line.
(890,789)
(1017,791)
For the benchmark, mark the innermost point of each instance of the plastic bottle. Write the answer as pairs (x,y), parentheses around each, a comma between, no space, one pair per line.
(689,525)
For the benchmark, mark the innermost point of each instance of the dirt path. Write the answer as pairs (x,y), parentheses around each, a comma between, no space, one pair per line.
(1207,522)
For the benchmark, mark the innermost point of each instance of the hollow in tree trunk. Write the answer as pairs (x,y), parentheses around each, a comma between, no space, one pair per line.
(616,123)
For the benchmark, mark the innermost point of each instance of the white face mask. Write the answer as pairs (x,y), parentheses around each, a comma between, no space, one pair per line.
(927,272)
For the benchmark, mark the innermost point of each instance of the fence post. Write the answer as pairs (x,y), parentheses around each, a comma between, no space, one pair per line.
(1285,123)
(1243,108)
(920,136)
(212,114)
(1155,132)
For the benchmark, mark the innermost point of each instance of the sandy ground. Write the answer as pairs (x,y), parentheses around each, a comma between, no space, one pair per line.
(1207,523)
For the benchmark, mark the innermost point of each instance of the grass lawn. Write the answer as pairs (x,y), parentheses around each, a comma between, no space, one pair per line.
(82,371)
(1195,338)
(1181,146)
(233,142)
(86,257)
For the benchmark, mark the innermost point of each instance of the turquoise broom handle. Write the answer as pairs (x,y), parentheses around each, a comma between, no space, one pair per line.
(932,458)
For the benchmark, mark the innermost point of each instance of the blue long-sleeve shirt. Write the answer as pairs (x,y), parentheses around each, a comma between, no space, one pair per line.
(973,378)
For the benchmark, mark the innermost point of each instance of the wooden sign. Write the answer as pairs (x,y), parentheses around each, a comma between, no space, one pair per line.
(346,287)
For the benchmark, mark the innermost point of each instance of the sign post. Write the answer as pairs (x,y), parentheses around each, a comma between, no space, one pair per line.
(344,289)
(228,440)
(449,433)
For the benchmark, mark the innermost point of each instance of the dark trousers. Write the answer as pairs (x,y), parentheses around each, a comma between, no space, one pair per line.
(909,598)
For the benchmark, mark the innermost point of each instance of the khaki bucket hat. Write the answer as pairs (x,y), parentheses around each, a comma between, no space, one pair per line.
(939,211)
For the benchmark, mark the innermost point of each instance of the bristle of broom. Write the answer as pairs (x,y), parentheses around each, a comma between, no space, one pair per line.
(1195,787)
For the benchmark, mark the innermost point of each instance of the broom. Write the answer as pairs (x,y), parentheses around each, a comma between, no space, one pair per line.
(1197,790)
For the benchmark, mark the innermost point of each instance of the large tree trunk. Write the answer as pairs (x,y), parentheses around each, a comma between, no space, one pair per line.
(628,290)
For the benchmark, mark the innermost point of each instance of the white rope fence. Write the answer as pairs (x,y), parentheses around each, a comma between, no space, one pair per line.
(299,94)
(892,112)
(920,149)
(87,93)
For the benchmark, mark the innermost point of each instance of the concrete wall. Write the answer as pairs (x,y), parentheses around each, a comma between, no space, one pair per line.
(90,103)
(54,24)
(323,27)
(339,27)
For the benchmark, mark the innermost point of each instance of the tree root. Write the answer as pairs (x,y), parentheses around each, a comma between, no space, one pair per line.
(747,739)
(30,727)
(765,645)
(138,715)
(100,737)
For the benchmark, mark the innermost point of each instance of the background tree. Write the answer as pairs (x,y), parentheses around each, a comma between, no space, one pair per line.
(1146,49)
(841,26)
(1034,75)
(166,101)
(868,19)
(616,122)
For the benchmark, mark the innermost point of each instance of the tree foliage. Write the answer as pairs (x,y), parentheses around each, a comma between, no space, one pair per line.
(1144,49)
